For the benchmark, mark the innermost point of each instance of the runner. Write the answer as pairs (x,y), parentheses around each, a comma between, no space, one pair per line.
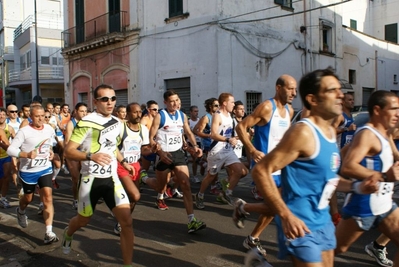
(192,122)
(5,160)
(97,136)
(222,153)
(32,145)
(134,143)
(73,165)
(309,159)
(270,119)
(167,132)
(370,153)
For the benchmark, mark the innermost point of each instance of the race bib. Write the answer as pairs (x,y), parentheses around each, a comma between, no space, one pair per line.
(41,160)
(97,170)
(174,141)
(238,149)
(381,202)
(328,191)
(131,156)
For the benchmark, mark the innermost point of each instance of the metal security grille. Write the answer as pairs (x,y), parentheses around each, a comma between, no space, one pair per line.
(83,97)
(182,88)
(121,97)
(253,99)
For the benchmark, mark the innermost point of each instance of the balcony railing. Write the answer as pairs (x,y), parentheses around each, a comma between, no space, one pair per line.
(97,27)
(45,73)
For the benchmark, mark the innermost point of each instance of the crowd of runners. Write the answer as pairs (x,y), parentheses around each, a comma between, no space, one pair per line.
(296,169)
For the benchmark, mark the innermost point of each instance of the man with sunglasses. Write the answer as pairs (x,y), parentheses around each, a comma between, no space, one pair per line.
(94,142)
(13,120)
(146,120)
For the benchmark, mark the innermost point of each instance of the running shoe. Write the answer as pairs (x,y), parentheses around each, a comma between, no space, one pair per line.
(254,243)
(160,203)
(214,191)
(50,237)
(66,242)
(117,229)
(238,216)
(220,199)
(177,194)
(143,174)
(195,225)
(195,179)
(4,203)
(40,209)
(75,204)
(168,192)
(227,198)
(380,255)
(256,194)
(22,219)
(199,202)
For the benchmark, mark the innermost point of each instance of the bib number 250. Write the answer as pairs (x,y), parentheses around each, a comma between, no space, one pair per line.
(174,140)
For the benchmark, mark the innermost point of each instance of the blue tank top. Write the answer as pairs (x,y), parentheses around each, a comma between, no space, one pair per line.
(308,183)
(381,201)
(206,142)
(269,135)
(346,137)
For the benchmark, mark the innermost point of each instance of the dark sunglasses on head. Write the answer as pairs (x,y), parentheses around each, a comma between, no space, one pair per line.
(106,99)
(154,109)
(13,111)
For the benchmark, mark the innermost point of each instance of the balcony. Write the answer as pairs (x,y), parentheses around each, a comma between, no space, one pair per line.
(45,73)
(100,31)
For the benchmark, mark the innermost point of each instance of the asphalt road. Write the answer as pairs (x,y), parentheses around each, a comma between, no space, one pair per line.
(161,237)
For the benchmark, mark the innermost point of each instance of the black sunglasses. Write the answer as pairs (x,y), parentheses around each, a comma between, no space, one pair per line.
(216,106)
(106,99)
(47,117)
(154,109)
(13,111)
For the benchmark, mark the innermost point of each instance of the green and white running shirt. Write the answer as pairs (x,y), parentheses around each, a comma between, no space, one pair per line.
(96,133)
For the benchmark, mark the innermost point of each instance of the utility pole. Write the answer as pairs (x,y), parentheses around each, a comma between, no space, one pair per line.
(3,82)
(35,89)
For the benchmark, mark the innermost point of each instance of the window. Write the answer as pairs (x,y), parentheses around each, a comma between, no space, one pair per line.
(326,36)
(391,33)
(175,8)
(22,63)
(28,59)
(45,60)
(284,3)
(395,79)
(352,76)
(54,61)
(253,99)
(353,24)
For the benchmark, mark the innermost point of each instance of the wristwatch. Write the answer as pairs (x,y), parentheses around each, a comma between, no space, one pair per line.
(227,140)
(88,156)
(123,161)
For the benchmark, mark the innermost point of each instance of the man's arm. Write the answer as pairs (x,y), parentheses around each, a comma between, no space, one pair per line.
(24,123)
(365,143)
(191,136)
(297,141)
(261,114)
(68,132)
(200,126)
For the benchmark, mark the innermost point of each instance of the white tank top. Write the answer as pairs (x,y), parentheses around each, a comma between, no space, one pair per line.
(225,129)
(170,133)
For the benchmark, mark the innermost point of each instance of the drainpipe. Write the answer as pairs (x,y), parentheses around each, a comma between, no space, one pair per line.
(376,70)
(311,37)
